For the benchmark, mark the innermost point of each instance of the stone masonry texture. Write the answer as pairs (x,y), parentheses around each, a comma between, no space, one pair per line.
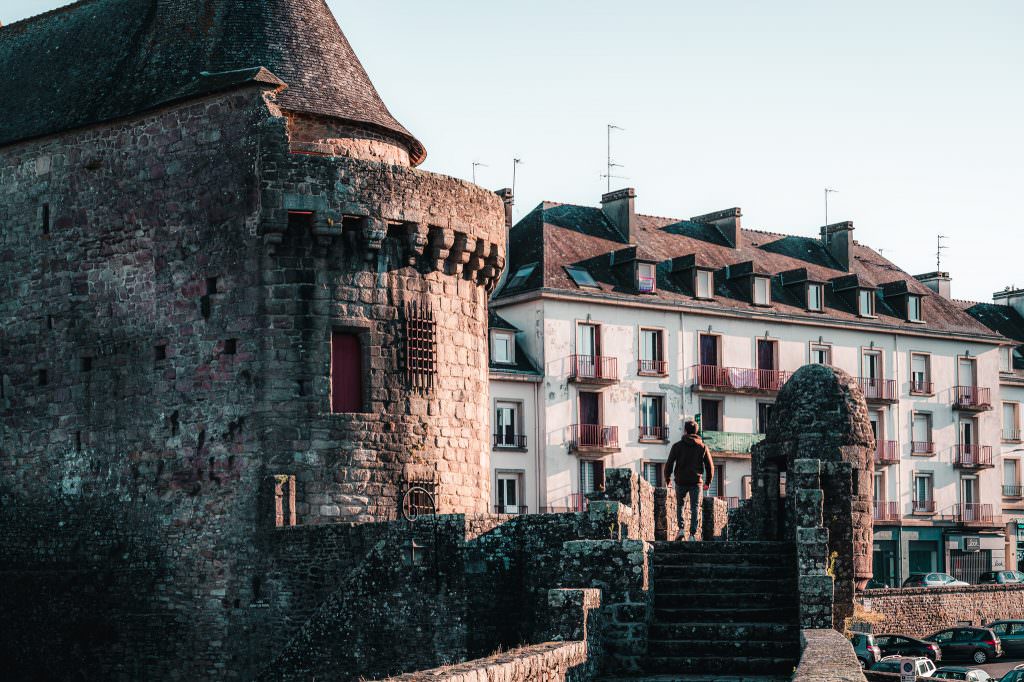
(921,611)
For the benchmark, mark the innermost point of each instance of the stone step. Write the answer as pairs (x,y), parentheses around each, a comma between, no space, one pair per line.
(737,631)
(718,600)
(717,570)
(724,586)
(715,665)
(725,560)
(728,547)
(723,648)
(676,614)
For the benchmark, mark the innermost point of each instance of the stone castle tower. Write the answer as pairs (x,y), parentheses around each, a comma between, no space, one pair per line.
(228,299)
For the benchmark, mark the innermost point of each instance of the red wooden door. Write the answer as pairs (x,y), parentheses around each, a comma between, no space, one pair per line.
(346,373)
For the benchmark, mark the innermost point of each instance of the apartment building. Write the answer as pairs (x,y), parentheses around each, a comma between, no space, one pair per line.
(637,323)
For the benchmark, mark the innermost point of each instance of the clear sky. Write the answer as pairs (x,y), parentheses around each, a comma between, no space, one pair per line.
(913,110)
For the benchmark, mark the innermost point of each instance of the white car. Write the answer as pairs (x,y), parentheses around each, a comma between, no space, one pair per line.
(891,664)
(933,580)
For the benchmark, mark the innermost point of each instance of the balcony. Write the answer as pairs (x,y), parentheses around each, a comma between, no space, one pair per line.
(1013,491)
(655,434)
(731,443)
(508,441)
(887,452)
(921,387)
(715,379)
(511,509)
(593,439)
(922,447)
(593,369)
(652,368)
(972,398)
(973,514)
(973,457)
(924,506)
(885,512)
(576,502)
(879,390)
(1011,435)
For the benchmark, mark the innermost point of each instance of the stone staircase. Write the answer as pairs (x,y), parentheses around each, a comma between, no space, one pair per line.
(723,611)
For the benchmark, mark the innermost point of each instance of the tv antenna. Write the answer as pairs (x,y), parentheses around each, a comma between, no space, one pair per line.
(477,164)
(612,164)
(939,248)
(828,190)
(515,164)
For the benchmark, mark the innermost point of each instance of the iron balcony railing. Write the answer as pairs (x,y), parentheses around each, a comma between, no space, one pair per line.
(924,506)
(1013,491)
(734,502)
(887,452)
(511,509)
(726,441)
(1011,435)
(922,447)
(653,433)
(878,389)
(508,440)
(652,367)
(973,512)
(716,378)
(593,436)
(885,511)
(973,456)
(575,502)
(972,398)
(594,368)
(921,387)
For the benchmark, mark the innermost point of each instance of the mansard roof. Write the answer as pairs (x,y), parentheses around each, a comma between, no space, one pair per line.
(556,235)
(99,60)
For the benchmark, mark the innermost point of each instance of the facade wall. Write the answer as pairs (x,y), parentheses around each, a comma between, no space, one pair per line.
(1012,391)
(553,339)
(514,461)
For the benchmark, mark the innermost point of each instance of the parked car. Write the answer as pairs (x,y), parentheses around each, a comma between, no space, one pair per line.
(901,645)
(1011,635)
(962,673)
(932,580)
(874,584)
(866,649)
(998,578)
(1015,675)
(975,644)
(891,664)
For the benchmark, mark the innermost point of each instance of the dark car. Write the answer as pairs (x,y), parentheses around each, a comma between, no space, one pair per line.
(1011,635)
(901,645)
(867,651)
(974,644)
(1015,675)
(998,578)
(961,673)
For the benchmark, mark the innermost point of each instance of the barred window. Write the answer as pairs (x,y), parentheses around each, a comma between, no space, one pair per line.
(420,353)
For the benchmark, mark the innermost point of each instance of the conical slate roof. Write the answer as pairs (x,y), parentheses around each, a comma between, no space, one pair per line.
(98,60)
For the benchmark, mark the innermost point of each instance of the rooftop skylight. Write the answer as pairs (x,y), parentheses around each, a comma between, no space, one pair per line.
(522,274)
(581,277)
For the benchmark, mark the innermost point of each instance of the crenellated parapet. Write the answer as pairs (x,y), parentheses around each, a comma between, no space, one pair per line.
(437,223)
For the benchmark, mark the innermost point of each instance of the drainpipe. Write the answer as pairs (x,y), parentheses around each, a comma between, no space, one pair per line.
(542,479)
(899,463)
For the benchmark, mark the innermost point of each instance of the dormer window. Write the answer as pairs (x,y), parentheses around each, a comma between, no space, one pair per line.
(815,297)
(762,291)
(503,347)
(866,303)
(645,278)
(705,283)
(913,308)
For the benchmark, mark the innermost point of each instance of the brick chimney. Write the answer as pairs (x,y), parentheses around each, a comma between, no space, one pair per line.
(937,282)
(1011,296)
(509,201)
(620,208)
(838,239)
(727,222)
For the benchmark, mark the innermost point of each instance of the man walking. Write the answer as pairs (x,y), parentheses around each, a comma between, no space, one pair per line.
(690,458)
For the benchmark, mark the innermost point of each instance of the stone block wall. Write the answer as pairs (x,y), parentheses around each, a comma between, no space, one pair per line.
(548,662)
(715,519)
(626,487)
(921,611)
(826,656)
(666,523)
(815,584)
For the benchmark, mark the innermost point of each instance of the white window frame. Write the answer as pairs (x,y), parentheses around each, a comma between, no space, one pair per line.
(929,426)
(927,371)
(817,347)
(1006,359)
(866,296)
(641,412)
(755,294)
(928,476)
(646,271)
(660,333)
(659,468)
(517,418)
(1011,432)
(701,276)
(920,308)
(516,475)
(510,339)
(820,288)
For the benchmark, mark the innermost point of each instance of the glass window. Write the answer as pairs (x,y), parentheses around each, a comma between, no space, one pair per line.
(922,428)
(591,476)
(705,284)
(815,296)
(651,352)
(922,488)
(1011,421)
(914,308)
(506,424)
(1011,472)
(762,291)
(645,277)
(1005,363)
(503,347)
(653,473)
(821,354)
(581,277)
(920,373)
(522,274)
(764,416)
(651,417)
(866,302)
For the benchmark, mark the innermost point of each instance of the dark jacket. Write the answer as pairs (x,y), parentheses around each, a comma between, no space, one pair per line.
(687,458)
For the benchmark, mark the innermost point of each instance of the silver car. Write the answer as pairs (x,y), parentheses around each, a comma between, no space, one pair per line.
(933,580)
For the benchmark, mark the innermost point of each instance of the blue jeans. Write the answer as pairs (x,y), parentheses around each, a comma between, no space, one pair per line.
(694,492)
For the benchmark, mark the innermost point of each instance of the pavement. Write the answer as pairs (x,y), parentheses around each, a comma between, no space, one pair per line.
(997,668)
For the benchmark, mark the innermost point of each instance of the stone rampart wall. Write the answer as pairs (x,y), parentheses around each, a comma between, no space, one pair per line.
(826,656)
(551,662)
(921,611)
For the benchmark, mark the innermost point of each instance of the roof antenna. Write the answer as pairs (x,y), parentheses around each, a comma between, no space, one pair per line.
(515,164)
(611,164)
(477,164)
(939,248)
(827,192)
